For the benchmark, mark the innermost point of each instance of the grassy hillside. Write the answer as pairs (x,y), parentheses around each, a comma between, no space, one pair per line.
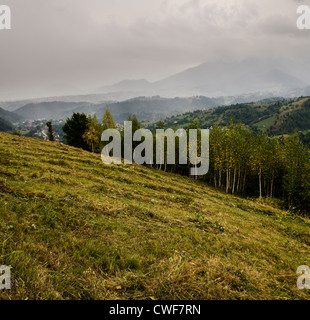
(73,228)
(5,126)
(9,116)
(275,117)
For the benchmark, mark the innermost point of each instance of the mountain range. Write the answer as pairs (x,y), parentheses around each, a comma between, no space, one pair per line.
(49,110)
(273,77)
(205,86)
(145,108)
(10,116)
(7,118)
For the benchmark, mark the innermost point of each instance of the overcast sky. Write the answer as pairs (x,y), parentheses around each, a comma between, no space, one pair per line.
(59,44)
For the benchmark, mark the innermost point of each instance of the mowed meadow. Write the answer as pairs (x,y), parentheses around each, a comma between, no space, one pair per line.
(74,228)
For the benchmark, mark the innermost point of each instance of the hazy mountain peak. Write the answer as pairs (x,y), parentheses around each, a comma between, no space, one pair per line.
(223,78)
(127,86)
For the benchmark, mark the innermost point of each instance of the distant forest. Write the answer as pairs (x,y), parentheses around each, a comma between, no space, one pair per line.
(276,118)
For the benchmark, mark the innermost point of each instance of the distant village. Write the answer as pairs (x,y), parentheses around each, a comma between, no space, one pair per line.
(38,129)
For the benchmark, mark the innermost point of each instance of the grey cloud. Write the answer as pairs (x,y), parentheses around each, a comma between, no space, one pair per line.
(88,44)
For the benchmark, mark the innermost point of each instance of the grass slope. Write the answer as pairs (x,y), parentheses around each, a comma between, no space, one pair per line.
(73,228)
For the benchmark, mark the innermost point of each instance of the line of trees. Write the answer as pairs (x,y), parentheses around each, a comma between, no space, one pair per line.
(250,163)
(255,164)
(82,131)
(241,161)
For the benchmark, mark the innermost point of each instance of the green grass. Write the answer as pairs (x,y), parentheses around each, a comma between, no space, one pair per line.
(74,228)
(265,124)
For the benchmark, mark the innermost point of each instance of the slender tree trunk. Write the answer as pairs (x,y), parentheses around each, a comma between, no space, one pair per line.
(227,179)
(271,187)
(260,182)
(234,182)
(239,177)
(220,178)
(244,181)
